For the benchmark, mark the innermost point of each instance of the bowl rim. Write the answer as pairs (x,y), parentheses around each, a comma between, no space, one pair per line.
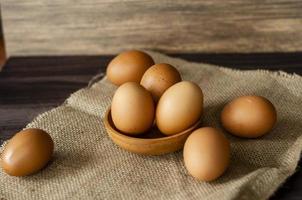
(117,132)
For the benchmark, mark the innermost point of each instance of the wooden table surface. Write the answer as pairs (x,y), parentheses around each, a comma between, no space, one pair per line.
(106,27)
(32,85)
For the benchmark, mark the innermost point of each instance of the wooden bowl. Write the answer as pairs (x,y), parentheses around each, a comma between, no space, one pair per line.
(152,142)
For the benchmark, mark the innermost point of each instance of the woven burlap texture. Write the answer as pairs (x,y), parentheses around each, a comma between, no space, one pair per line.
(88,165)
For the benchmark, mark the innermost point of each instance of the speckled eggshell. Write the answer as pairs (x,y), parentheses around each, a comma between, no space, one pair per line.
(158,78)
(128,66)
(249,116)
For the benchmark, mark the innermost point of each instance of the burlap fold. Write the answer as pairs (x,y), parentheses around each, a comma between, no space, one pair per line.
(87,165)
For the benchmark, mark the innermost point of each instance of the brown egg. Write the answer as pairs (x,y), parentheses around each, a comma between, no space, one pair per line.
(132,109)
(206,154)
(128,66)
(158,78)
(179,108)
(249,116)
(27,152)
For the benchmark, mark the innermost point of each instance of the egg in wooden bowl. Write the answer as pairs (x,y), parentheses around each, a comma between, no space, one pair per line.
(137,124)
(151,142)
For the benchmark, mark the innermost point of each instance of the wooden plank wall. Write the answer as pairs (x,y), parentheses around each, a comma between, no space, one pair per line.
(69,27)
(2,46)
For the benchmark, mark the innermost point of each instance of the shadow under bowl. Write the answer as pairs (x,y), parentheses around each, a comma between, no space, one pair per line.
(153,142)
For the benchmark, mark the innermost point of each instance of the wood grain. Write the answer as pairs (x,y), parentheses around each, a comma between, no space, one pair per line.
(2,46)
(61,27)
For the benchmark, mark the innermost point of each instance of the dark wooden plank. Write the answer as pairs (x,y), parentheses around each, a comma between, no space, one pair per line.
(289,62)
(60,27)
(292,188)
(2,45)
(29,86)
(32,85)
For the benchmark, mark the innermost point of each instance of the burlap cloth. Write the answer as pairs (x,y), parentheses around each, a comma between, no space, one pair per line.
(88,165)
